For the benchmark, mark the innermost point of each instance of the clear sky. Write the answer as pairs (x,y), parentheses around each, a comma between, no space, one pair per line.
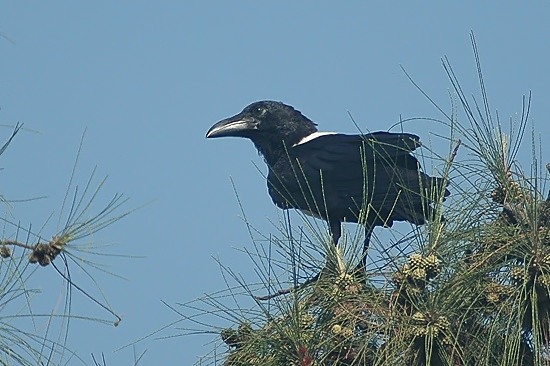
(147,79)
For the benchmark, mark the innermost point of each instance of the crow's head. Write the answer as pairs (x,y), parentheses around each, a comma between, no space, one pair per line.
(270,125)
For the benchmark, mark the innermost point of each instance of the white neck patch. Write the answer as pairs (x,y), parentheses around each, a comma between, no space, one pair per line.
(313,136)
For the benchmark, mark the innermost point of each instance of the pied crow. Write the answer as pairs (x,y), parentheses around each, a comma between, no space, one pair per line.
(371,178)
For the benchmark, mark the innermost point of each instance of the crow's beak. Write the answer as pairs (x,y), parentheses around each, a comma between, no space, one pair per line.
(238,126)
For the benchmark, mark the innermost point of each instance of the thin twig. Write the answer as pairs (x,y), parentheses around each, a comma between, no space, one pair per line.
(290,289)
(16,243)
(455,151)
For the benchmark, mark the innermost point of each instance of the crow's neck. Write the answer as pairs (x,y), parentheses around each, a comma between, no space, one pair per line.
(272,151)
(278,145)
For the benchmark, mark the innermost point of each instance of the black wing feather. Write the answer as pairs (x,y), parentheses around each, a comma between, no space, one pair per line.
(341,177)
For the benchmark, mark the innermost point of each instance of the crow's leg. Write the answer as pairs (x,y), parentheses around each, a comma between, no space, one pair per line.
(335,231)
(366,243)
(361,268)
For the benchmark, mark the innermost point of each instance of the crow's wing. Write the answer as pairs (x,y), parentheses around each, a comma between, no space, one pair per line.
(369,178)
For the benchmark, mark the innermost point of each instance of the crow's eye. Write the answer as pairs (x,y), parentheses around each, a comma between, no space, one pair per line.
(260,111)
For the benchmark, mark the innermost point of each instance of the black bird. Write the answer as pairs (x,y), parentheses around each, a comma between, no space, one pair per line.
(371,179)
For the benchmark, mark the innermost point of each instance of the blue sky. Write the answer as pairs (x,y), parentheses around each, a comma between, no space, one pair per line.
(147,79)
